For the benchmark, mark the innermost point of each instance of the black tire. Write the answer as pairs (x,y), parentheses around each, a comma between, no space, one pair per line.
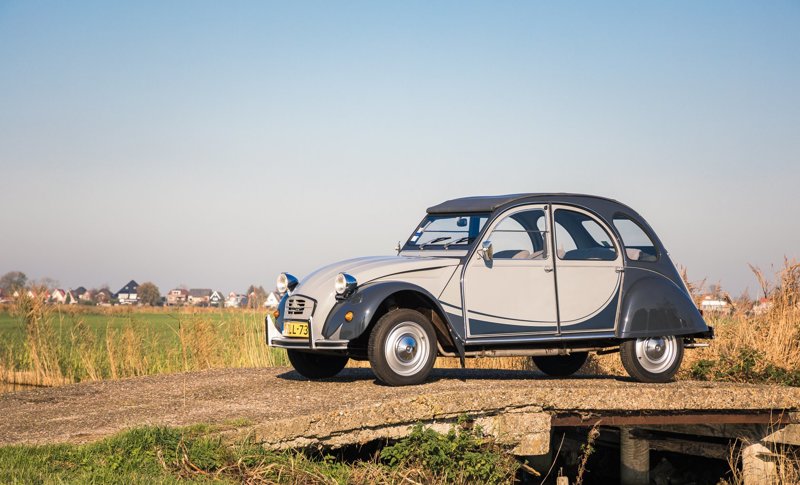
(560,365)
(316,366)
(661,366)
(402,348)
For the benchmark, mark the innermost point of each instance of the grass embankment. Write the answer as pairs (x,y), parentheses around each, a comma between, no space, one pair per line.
(198,455)
(45,345)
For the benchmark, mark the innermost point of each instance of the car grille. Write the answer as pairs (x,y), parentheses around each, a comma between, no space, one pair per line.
(299,307)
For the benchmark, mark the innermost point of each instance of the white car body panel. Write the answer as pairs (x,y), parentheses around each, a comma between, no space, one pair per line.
(430,273)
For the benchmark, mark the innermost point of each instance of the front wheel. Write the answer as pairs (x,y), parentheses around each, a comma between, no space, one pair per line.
(402,348)
(316,366)
(652,359)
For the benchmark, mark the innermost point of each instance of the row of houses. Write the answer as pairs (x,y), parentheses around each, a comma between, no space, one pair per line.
(66,297)
(129,295)
(203,297)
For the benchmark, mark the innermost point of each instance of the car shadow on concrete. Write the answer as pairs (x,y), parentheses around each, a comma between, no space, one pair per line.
(364,374)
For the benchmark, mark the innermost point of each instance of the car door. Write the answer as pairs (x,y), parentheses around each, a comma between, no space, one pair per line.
(513,293)
(588,266)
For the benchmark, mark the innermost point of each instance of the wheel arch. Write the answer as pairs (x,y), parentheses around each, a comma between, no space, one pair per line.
(370,302)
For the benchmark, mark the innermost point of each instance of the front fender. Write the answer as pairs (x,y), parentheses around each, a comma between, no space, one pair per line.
(655,306)
(364,303)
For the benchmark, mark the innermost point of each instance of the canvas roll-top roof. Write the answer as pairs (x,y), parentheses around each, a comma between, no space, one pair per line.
(490,203)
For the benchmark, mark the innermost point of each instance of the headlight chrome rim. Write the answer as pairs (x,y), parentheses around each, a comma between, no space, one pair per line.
(286,282)
(344,285)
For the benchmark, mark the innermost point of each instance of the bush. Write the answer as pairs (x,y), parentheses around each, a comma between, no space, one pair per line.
(749,365)
(462,455)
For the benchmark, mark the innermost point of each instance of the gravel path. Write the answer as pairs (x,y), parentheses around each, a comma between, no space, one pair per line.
(279,400)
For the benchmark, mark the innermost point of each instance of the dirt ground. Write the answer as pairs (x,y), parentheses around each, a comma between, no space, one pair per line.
(277,401)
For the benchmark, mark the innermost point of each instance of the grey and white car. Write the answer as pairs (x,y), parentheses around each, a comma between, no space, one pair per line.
(550,276)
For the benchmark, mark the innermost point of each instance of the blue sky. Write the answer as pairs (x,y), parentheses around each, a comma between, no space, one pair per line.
(216,144)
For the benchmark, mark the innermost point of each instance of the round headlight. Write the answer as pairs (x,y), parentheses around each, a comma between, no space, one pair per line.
(344,284)
(286,282)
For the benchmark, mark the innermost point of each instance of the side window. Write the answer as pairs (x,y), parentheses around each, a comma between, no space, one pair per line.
(579,237)
(518,236)
(638,245)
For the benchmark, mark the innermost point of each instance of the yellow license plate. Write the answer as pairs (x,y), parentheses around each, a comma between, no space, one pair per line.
(296,329)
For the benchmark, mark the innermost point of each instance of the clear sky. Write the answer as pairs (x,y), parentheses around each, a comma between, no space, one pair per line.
(215,144)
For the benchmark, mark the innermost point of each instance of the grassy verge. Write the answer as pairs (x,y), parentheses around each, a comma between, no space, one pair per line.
(45,345)
(197,455)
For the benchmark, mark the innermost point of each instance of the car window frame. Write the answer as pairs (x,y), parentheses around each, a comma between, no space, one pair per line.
(646,232)
(600,221)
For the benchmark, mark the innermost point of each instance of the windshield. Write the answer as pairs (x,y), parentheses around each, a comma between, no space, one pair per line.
(446,231)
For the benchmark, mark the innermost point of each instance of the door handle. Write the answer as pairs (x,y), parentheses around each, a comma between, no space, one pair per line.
(548,269)
(619,270)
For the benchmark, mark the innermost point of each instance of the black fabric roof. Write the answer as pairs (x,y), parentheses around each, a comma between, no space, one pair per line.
(490,203)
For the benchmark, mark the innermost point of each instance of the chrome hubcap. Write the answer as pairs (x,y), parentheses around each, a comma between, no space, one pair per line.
(407,348)
(656,354)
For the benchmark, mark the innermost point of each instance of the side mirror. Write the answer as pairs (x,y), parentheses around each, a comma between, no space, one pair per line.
(486,252)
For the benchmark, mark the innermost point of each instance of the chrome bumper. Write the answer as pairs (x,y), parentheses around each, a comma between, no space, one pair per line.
(294,343)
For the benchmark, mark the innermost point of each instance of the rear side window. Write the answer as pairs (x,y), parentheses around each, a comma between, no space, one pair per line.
(638,245)
(579,237)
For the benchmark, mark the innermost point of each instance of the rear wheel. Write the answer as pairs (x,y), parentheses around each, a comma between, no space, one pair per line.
(402,348)
(652,359)
(560,365)
(316,366)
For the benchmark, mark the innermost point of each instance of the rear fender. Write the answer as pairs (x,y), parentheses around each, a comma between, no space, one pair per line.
(653,305)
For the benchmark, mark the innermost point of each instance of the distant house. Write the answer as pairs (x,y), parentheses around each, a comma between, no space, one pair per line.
(85,297)
(199,296)
(177,297)
(272,300)
(128,294)
(762,306)
(235,301)
(58,296)
(72,298)
(103,296)
(216,299)
(712,304)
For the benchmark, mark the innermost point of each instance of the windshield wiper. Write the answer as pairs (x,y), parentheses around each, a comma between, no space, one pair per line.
(434,241)
(457,241)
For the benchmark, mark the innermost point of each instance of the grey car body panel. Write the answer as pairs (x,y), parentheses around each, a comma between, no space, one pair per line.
(653,305)
(605,209)
(365,302)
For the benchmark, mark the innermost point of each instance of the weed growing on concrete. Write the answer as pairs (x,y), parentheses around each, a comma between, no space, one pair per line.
(199,454)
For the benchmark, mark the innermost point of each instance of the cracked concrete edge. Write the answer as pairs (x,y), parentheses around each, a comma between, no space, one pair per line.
(528,434)
(525,427)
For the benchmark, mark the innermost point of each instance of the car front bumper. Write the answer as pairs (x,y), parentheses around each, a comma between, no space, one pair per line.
(308,344)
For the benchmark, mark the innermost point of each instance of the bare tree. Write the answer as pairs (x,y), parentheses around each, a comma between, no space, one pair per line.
(256,296)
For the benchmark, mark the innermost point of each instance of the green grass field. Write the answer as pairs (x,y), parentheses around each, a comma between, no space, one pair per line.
(162,325)
(50,345)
